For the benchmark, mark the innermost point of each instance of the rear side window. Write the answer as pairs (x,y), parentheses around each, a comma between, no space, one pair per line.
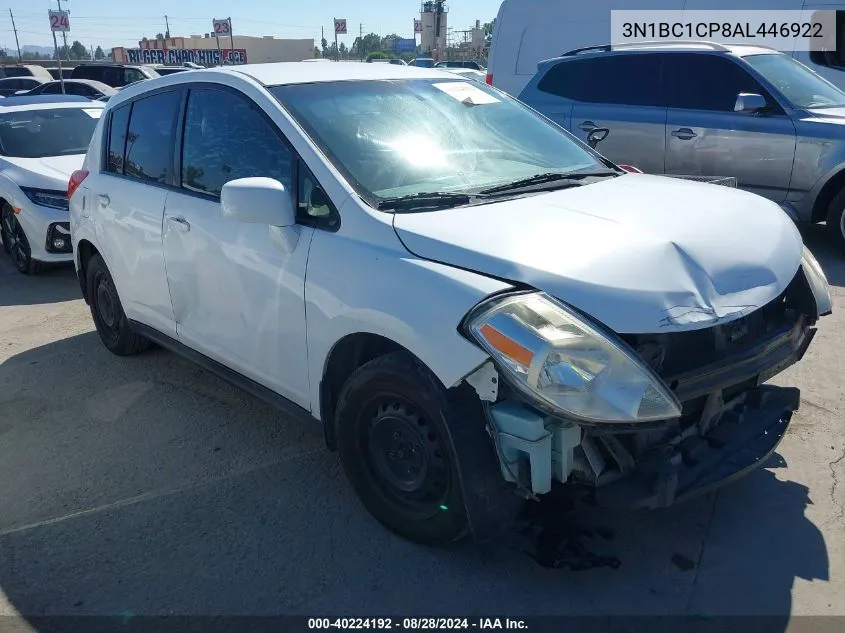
(226,138)
(615,79)
(709,82)
(117,139)
(149,139)
(53,89)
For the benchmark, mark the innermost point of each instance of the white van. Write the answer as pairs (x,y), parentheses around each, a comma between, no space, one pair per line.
(529,31)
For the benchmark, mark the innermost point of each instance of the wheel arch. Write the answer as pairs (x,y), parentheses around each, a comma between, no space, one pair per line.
(85,250)
(827,190)
(345,356)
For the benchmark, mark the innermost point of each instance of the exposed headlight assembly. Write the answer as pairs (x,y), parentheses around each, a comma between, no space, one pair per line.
(567,365)
(47,197)
(818,282)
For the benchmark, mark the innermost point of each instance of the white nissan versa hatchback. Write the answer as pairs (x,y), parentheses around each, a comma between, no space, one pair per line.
(472,302)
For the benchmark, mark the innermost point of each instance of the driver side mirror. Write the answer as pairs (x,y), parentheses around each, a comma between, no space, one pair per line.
(257,201)
(750,103)
(596,136)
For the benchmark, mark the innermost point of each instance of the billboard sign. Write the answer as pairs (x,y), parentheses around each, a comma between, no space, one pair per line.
(221,27)
(404,46)
(59,21)
(177,56)
(417,26)
(340,26)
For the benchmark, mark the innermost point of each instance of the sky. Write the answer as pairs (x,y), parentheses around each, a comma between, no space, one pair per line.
(110,23)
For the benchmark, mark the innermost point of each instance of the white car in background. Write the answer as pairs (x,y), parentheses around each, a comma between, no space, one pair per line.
(42,141)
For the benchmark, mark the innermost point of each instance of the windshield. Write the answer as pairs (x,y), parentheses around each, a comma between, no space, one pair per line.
(800,85)
(48,132)
(407,137)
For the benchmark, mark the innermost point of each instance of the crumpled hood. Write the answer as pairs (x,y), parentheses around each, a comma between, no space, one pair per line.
(51,172)
(640,253)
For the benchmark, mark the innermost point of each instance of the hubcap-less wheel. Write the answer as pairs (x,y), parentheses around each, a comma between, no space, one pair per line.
(15,240)
(407,461)
(842,224)
(105,306)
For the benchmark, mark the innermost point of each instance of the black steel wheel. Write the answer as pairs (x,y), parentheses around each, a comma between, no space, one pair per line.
(107,312)
(396,450)
(15,242)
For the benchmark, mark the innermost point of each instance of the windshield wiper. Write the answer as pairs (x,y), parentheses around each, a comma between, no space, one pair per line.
(561,179)
(425,200)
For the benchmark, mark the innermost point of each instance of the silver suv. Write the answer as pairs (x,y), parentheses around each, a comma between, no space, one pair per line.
(704,109)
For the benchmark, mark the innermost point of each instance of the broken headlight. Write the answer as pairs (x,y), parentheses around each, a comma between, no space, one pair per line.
(818,282)
(559,360)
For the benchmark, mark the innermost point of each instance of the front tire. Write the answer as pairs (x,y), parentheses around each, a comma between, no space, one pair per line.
(107,312)
(15,242)
(392,426)
(836,221)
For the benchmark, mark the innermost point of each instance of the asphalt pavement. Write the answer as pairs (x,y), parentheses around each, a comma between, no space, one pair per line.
(145,485)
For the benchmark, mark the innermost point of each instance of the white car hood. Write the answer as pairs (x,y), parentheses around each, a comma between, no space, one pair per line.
(642,254)
(50,172)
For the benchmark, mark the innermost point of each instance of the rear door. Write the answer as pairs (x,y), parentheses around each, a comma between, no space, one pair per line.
(625,94)
(706,137)
(130,193)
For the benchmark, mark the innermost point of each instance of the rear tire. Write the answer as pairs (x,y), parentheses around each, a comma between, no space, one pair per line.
(107,312)
(836,221)
(392,425)
(15,242)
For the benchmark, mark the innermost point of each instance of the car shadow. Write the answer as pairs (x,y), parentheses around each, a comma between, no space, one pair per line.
(831,260)
(54,284)
(144,486)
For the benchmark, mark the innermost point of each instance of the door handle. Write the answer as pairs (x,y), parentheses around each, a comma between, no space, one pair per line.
(588,126)
(103,200)
(684,134)
(181,223)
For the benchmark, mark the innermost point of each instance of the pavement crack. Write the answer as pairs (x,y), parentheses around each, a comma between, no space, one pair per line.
(700,557)
(832,465)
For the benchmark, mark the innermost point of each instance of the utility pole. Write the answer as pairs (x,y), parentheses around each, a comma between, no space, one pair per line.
(322,37)
(361,40)
(64,34)
(167,28)
(15,29)
(232,42)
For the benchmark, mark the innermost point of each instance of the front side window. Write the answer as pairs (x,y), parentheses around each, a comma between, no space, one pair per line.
(407,137)
(149,140)
(132,75)
(802,87)
(226,138)
(710,82)
(52,89)
(48,132)
(834,58)
(633,80)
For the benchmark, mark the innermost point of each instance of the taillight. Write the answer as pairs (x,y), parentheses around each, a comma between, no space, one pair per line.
(631,169)
(489,79)
(76,179)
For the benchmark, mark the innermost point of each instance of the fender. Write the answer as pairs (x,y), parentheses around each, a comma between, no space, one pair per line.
(808,201)
(416,303)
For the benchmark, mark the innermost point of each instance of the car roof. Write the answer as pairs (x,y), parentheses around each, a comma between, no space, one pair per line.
(37,102)
(302,72)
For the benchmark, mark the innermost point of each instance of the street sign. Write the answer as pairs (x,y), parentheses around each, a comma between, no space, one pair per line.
(417,26)
(221,27)
(339,26)
(59,21)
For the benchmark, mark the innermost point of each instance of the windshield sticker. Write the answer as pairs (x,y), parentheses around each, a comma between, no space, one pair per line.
(466,93)
(94,113)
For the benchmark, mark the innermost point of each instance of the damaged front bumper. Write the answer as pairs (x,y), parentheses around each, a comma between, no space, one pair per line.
(731,424)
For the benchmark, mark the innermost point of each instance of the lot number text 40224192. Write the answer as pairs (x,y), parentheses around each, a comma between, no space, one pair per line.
(418,624)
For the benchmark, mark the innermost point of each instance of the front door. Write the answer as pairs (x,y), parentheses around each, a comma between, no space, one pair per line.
(706,137)
(238,295)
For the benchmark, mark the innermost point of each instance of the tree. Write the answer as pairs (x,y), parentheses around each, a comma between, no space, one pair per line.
(159,36)
(324,44)
(99,54)
(488,30)
(344,52)
(78,51)
(377,55)
(316,52)
(370,44)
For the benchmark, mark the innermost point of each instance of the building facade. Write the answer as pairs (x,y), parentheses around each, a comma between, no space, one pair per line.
(433,15)
(208,50)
